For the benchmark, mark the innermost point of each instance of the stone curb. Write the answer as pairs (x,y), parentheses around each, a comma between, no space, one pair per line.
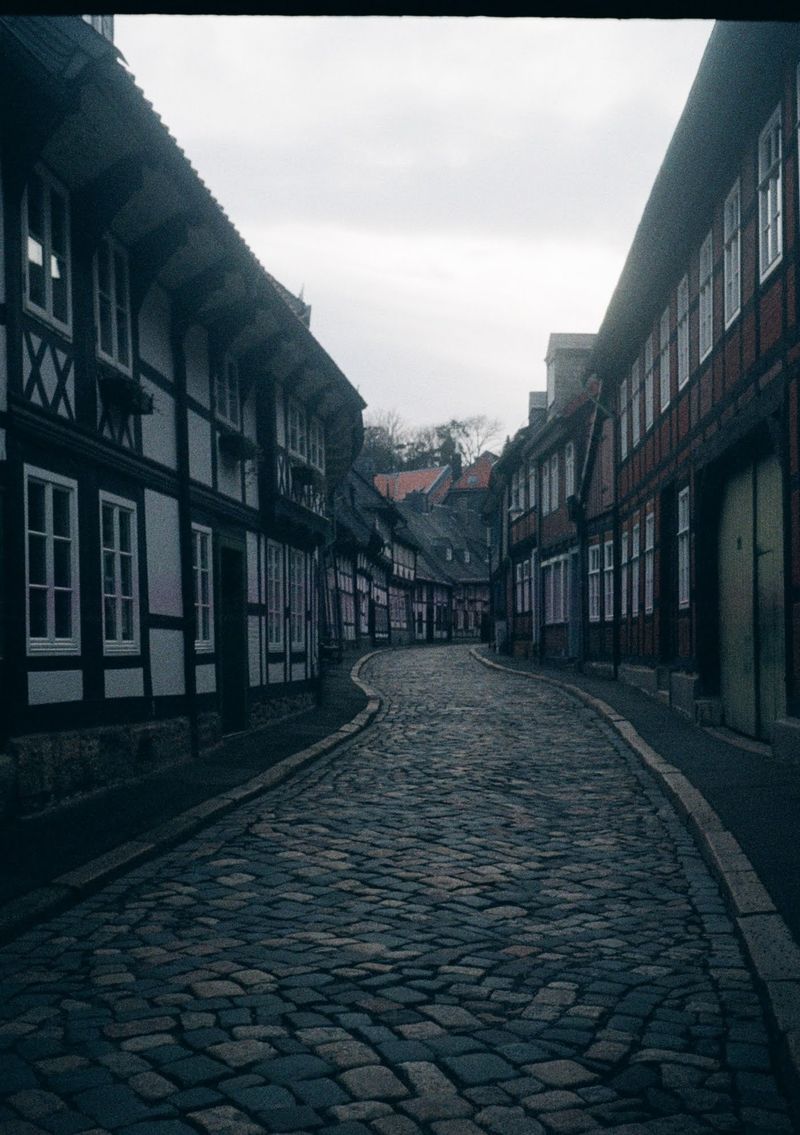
(62,892)
(766,939)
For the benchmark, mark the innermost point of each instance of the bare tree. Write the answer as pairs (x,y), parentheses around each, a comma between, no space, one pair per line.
(479,431)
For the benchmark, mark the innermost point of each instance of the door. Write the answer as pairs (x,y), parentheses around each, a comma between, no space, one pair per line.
(233,640)
(750,558)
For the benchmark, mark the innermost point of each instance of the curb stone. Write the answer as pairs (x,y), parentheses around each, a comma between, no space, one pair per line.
(64,891)
(765,938)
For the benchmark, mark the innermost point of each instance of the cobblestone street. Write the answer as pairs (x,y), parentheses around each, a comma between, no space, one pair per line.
(454,926)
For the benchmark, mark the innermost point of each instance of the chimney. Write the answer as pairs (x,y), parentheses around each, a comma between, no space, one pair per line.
(567,361)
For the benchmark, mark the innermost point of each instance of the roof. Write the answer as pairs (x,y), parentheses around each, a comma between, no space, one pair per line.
(476,476)
(397,486)
(440,527)
(738,83)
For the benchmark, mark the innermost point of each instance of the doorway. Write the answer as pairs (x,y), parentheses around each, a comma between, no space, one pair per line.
(233,640)
(751,599)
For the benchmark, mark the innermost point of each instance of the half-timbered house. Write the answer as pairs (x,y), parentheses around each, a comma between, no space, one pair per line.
(169,434)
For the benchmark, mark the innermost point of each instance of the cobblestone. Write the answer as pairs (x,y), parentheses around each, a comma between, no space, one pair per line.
(480,918)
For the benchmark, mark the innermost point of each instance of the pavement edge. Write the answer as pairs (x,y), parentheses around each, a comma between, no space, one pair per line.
(65,890)
(765,938)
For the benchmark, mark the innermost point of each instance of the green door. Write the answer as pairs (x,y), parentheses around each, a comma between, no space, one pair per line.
(752,626)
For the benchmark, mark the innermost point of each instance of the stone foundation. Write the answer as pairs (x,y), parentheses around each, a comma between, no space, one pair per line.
(41,769)
(643,677)
(273,709)
(786,738)
(599,669)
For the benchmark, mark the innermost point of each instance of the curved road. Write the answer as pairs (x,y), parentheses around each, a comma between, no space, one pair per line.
(480,916)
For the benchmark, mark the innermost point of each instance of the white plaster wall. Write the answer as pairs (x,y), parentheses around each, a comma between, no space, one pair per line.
(198,384)
(249,415)
(206,678)
(251,484)
(254,639)
(199,449)
(158,428)
(154,325)
(47,686)
(229,478)
(125,683)
(298,671)
(276,672)
(166,662)
(163,554)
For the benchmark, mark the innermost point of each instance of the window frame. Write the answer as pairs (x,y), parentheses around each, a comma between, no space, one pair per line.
(649,398)
(732,253)
(227,392)
(50,185)
(770,191)
(50,643)
(664,376)
(545,467)
(114,249)
(705,301)
(594,583)
(119,645)
(623,575)
(297,594)
(276,594)
(555,502)
(649,560)
(684,549)
(569,469)
(636,408)
(202,534)
(297,411)
(532,477)
(608,580)
(683,331)
(634,562)
(623,419)
(315,442)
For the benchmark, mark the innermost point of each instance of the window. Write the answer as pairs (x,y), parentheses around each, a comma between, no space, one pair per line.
(119,563)
(554,499)
(569,469)
(45,214)
(706,299)
(51,547)
(649,555)
(316,443)
(519,599)
(526,585)
(467,556)
(545,487)
(683,547)
(112,304)
(683,332)
(228,392)
(514,496)
(448,552)
(623,579)
(623,418)
(732,266)
(663,358)
(636,396)
(297,598)
(649,408)
(275,601)
(770,244)
(554,582)
(531,484)
(635,571)
(594,583)
(203,590)
(608,580)
(297,428)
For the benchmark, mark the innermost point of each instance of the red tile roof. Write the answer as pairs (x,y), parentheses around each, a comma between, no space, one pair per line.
(476,475)
(433,482)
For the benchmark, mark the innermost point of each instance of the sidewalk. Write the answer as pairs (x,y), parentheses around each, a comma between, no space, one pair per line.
(757,797)
(48,859)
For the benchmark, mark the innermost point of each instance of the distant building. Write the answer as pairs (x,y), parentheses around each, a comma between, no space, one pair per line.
(433,483)
(469,491)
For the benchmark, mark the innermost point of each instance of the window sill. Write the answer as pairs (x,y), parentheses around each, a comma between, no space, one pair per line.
(45,317)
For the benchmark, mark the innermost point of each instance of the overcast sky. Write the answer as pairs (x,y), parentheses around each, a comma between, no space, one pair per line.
(447,190)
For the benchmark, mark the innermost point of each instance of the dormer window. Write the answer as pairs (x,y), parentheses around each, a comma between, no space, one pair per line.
(227,392)
(112,304)
(45,215)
